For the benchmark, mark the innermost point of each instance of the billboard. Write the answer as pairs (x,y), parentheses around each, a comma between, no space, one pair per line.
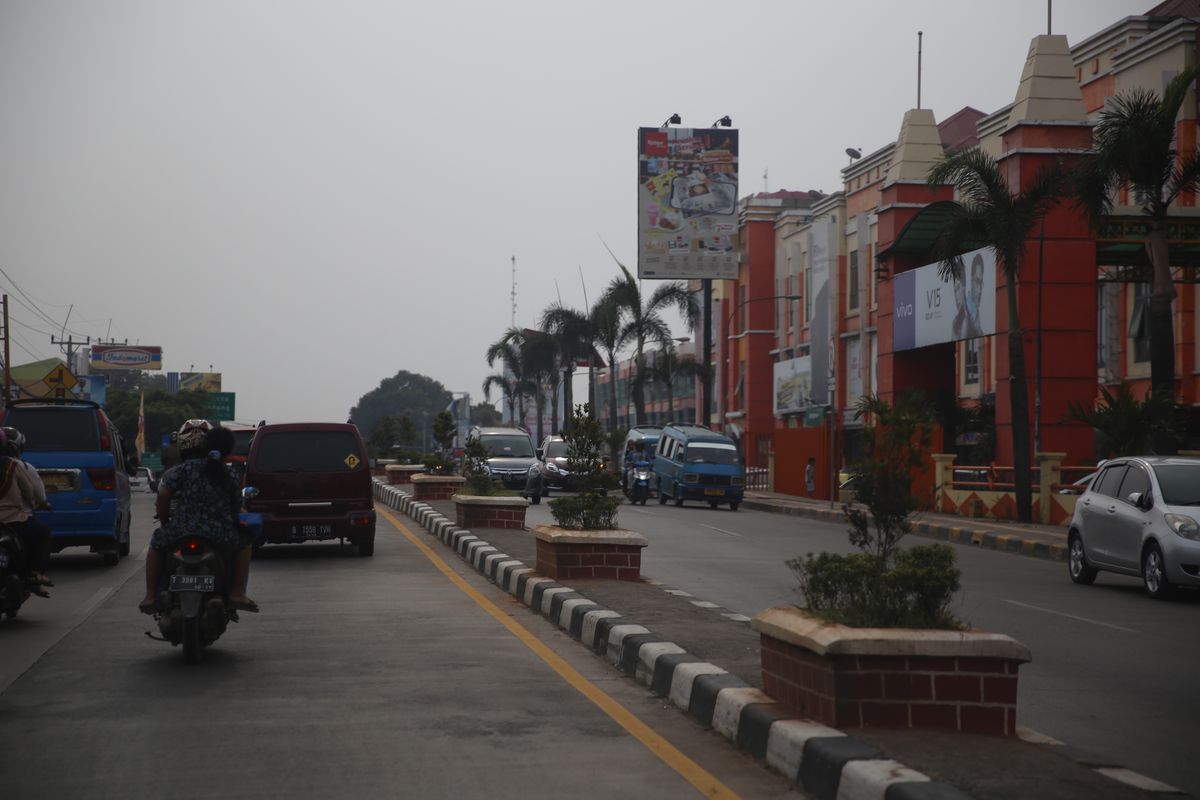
(124,356)
(932,310)
(222,406)
(793,385)
(199,381)
(687,203)
(92,387)
(822,277)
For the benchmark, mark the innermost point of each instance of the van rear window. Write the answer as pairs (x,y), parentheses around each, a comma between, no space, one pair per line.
(308,451)
(56,429)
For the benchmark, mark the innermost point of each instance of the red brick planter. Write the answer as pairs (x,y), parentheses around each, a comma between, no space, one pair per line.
(565,554)
(401,474)
(473,512)
(890,678)
(436,487)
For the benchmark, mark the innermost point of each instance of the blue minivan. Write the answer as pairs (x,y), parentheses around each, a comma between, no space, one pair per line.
(78,453)
(694,463)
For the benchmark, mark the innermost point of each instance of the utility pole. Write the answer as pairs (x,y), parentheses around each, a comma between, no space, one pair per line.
(69,346)
(7,361)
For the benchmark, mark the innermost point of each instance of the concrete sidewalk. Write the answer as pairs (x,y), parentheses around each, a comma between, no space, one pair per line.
(1039,541)
(709,666)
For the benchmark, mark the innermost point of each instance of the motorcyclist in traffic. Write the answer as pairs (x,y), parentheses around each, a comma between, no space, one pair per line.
(21,492)
(200,497)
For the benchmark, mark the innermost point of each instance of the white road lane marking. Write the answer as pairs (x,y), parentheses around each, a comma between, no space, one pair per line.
(1070,616)
(142,555)
(704,604)
(722,530)
(679,592)
(736,617)
(93,602)
(1137,780)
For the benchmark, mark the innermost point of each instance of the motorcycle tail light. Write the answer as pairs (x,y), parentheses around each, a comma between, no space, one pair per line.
(104,480)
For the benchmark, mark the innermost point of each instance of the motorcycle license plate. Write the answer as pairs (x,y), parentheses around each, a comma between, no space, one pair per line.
(717,492)
(311,531)
(193,583)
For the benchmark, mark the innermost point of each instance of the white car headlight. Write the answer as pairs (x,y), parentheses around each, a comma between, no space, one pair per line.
(690,477)
(1184,526)
(552,467)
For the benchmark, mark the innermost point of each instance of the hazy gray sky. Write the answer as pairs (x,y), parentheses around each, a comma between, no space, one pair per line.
(310,196)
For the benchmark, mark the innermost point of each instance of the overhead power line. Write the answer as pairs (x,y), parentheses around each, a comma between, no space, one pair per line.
(35,308)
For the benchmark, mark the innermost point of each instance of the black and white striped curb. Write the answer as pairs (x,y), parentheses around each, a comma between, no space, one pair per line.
(826,762)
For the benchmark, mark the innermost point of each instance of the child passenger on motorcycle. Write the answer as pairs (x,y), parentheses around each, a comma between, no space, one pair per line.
(200,497)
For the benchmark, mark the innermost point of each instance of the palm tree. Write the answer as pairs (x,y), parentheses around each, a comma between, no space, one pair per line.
(667,367)
(1135,146)
(539,363)
(643,322)
(511,381)
(573,334)
(605,319)
(989,213)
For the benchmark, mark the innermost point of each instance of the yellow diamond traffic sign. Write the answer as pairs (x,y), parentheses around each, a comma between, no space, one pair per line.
(352,461)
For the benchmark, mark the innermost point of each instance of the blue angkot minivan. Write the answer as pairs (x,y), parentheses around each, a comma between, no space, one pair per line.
(77,451)
(694,463)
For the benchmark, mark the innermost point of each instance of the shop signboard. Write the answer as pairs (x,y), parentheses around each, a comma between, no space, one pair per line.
(92,387)
(121,356)
(793,385)
(930,309)
(687,203)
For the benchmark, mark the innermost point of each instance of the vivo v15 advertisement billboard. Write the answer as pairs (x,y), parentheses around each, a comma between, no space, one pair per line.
(932,310)
(687,203)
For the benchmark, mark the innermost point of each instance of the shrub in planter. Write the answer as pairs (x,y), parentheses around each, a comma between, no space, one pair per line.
(475,470)
(591,508)
(881,586)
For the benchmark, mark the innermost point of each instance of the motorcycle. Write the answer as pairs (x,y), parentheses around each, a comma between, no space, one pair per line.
(637,486)
(193,607)
(12,583)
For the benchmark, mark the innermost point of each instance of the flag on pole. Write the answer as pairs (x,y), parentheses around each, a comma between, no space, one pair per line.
(141,434)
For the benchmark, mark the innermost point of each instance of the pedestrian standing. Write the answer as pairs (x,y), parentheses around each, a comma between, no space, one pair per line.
(810,476)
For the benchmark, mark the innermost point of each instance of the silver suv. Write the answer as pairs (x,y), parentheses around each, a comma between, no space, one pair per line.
(1139,517)
(512,460)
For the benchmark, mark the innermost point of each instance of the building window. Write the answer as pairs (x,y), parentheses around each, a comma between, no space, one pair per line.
(971,365)
(807,295)
(852,289)
(1139,322)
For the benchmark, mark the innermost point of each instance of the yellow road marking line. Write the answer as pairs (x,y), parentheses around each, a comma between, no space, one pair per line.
(689,770)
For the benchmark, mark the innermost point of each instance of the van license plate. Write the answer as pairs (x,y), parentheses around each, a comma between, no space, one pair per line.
(311,531)
(193,583)
(717,492)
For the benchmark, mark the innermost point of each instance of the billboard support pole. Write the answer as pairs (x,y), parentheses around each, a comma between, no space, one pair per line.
(706,384)
(7,362)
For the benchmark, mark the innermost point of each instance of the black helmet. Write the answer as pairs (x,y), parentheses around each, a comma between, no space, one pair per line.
(14,441)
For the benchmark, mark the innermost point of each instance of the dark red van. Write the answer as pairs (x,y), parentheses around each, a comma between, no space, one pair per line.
(313,482)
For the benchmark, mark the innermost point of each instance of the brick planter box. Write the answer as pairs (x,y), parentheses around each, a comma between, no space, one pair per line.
(473,511)
(565,554)
(379,466)
(890,678)
(436,487)
(401,474)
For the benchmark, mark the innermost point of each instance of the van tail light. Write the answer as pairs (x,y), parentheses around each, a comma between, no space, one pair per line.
(104,480)
(360,519)
(105,443)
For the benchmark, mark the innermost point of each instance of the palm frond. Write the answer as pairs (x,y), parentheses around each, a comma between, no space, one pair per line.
(1184,178)
(1176,93)
(976,176)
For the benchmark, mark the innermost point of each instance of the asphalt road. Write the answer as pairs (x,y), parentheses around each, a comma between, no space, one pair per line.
(375,677)
(1113,673)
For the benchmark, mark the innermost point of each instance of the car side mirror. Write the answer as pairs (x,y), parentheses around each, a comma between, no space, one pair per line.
(1140,500)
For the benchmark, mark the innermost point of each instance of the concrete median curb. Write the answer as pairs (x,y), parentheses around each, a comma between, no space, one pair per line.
(952,534)
(823,761)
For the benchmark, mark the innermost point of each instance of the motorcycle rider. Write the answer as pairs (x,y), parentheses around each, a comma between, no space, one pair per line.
(21,491)
(35,533)
(632,457)
(200,497)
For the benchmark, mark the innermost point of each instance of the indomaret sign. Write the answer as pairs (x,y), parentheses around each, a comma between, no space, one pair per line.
(122,356)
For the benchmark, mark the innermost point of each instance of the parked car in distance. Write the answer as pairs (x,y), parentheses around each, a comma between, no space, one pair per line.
(313,484)
(512,460)
(143,479)
(77,451)
(695,463)
(1140,517)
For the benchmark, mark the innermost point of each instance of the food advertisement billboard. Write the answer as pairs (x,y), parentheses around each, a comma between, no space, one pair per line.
(931,310)
(199,381)
(687,203)
(124,356)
